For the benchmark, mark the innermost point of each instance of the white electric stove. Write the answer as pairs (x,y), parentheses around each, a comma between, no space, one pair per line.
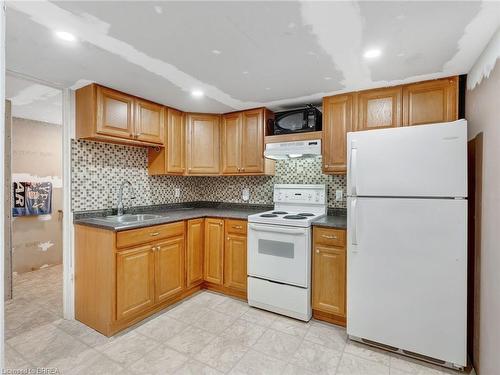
(279,250)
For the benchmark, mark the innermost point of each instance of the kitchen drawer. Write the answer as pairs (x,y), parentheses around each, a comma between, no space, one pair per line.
(142,235)
(236,226)
(331,237)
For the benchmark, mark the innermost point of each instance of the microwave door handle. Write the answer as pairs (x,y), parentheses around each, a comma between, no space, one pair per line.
(276,230)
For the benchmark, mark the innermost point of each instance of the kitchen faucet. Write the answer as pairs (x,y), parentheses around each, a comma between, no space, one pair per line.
(120,196)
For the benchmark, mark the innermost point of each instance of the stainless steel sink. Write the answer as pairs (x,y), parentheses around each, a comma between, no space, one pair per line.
(130,218)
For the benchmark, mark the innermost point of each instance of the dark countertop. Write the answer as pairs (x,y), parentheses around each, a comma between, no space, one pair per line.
(179,212)
(338,221)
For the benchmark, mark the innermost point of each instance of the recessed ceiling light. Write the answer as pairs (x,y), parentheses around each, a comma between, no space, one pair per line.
(197,93)
(158,9)
(216,52)
(64,35)
(327,78)
(268,88)
(372,53)
(245,72)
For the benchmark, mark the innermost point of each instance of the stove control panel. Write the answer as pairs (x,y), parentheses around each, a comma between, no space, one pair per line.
(300,194)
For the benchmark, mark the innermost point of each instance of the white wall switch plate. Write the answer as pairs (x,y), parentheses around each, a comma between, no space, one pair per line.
(338,195)
(177,192)
(245,194)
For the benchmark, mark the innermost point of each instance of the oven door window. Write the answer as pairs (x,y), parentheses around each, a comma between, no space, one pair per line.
(276,248)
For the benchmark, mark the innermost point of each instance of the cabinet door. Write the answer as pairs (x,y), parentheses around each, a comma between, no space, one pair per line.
(329,280)
(252,141)
(203,144)
(195,249)
(235,262)
(338,119)
(134,281)
(231,143)
(379,108)
(430,102)
(169,268)
(149,121)
(114,113)
(176,141)
(214,250)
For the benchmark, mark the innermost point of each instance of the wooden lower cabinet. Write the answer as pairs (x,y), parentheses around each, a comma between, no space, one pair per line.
(194,251)
(214,250)
(169,268)
(123,277)
(135,281)
(235,255)
(329,275)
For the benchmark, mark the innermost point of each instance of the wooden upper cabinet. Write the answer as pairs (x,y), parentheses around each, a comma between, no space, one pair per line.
(149,121)
(430,102)
(231,142)
(172,158)
(243,142)
(203,140)
(252,141)
(214,250)
(135,281)
(115,113)
(194,251)
(338,119)
(107,115)
(176,142)
(379,108)
(169,268)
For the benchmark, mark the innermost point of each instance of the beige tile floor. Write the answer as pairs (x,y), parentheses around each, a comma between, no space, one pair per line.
(206,334)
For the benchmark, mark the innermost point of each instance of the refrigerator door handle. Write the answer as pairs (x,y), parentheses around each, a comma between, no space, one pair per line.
(354,224)
(354,162)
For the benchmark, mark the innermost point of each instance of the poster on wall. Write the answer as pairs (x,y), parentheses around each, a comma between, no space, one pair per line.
(32,198)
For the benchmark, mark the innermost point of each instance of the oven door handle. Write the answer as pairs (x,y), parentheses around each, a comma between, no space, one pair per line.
(265,228)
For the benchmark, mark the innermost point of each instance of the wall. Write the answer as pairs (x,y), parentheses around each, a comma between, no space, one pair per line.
(37,156)
(99,168)
(483,114)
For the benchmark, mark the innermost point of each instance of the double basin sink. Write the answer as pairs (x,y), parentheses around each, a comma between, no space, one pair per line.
(134,218)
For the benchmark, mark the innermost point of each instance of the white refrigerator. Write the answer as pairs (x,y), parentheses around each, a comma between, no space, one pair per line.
(407,240)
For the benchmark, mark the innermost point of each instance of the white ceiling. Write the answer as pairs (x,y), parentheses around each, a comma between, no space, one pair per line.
(278,54)
(34,101)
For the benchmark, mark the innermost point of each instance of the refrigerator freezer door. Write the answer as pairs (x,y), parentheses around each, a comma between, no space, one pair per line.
(416,161)
(406,275)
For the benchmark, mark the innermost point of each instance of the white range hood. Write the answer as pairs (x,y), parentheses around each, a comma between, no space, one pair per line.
(293,150)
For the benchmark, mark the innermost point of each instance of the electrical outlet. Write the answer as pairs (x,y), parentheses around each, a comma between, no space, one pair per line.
(177,192)
(338,195)
(245,194)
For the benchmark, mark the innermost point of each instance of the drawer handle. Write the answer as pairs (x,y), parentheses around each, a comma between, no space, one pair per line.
(329,237)
(237,227)
(154,234)
(317,251)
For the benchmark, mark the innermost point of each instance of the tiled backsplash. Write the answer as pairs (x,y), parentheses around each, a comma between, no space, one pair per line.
(99,168)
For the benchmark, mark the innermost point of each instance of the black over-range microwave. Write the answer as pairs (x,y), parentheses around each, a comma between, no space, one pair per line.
(300,120)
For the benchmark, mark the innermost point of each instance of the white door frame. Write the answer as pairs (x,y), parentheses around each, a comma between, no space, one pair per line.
(68,125)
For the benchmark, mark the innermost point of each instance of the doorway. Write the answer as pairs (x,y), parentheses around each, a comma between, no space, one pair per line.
(33,173)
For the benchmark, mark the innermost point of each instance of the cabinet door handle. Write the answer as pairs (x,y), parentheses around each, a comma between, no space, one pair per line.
(228,238)
(317,251)
(329,237)
(237,227)
(154,234)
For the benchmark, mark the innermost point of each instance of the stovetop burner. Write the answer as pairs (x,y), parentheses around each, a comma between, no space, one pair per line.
(306,214)
(268,215)
(280,212)
(294,217)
